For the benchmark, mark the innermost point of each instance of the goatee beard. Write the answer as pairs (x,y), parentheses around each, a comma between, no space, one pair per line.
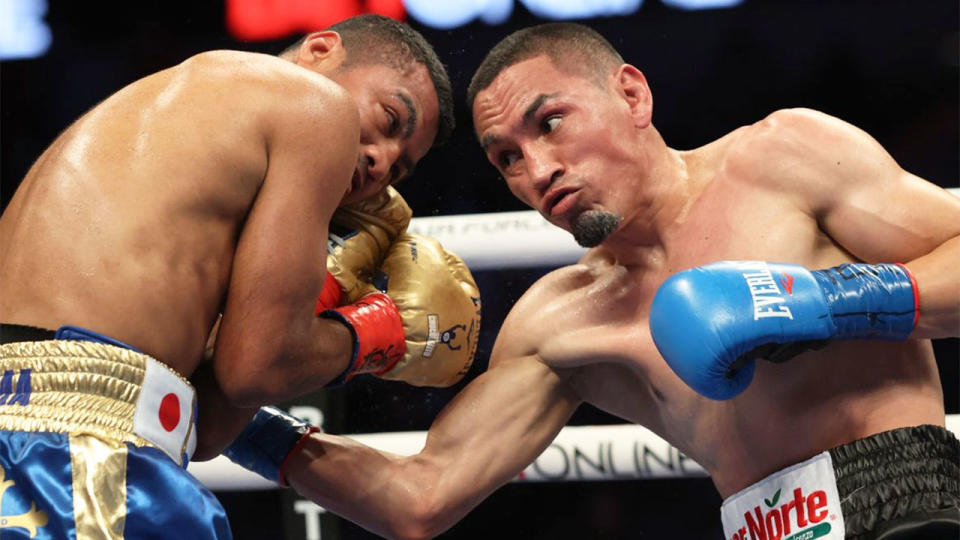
(594,226)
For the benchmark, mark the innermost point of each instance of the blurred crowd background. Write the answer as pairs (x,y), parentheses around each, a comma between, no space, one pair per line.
(889,67)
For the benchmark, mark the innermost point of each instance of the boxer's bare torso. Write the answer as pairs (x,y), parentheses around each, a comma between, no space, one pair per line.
(796,187)
(130,221)
(589,322)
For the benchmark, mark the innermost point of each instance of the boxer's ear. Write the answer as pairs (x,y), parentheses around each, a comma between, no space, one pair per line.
(632,86)
(322,51)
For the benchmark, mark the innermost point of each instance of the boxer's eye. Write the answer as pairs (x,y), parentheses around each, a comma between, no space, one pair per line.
(393,122)
(507,159)
(551,122)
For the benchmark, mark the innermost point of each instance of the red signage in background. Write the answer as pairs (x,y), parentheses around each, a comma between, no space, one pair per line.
(255,20)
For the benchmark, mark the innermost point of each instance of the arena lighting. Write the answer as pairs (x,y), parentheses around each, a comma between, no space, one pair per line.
(445,15)
(23,33)
(692,5)
(252,20)
(273,19)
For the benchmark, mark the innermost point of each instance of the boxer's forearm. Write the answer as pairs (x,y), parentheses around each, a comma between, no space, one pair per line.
(254,380)
(484,437)
(378,491)
(938,281)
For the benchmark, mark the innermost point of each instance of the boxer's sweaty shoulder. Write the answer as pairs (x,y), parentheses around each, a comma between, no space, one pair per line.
(577,315)
(587,321)
(128,222)
(796,152)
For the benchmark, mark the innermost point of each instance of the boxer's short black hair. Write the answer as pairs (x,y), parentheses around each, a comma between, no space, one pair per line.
(375,39)
(571,48)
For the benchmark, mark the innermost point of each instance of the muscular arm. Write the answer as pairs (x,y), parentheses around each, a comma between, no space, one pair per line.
(877,211)
(270,346)
(218,421)
(493,429)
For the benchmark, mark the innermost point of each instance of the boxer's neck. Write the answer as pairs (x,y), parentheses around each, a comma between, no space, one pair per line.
(664,192)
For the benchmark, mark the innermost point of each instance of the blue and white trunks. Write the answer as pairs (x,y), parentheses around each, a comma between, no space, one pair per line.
(94,443)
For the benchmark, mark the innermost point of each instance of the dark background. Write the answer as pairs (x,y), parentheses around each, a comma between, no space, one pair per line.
(889,67)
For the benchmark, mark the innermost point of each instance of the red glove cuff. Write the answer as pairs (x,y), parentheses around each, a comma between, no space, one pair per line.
(282,472)
(379,340)
(916,294)
(330,295)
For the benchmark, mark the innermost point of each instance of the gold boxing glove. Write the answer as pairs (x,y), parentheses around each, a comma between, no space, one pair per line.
(360,235)
(439,305)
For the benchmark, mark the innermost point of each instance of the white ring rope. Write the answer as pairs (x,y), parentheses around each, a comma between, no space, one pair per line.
(500,240)
(616,452)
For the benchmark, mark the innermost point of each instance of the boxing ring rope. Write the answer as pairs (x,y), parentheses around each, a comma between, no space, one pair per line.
(615,452)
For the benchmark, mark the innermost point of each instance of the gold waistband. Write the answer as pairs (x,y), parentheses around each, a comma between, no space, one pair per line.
(74,387)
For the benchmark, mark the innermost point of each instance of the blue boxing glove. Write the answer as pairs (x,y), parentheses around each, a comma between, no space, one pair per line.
(265,445)
(711,322)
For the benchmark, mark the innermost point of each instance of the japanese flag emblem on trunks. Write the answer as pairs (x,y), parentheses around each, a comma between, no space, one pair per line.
(798,503)
(165,412)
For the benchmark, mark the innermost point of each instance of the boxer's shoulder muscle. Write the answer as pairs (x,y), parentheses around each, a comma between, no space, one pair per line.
(232,116)
(803,151)
(274,93)
(792,131)
(576,315)
(523,331)
(210,117)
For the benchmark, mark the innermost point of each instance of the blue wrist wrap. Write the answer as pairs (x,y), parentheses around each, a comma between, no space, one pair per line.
(265,443)
(875,301)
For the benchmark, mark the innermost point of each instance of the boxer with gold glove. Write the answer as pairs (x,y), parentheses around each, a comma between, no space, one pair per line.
(431,339)
(439,305)
(423,329)
(361,233)
(432,315)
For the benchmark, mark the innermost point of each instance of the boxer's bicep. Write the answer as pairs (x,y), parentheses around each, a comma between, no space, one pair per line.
(878,212)
(854,189)
(908,220)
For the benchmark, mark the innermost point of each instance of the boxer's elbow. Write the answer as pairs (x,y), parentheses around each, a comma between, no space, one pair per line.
(208,447)
(214,431)
(429,510)
(424,520)
(411,532)
(205,451)
(243,393)
(418,520)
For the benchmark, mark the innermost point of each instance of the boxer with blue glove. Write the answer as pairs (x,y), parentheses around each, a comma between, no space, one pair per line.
(712,322)
(847,442)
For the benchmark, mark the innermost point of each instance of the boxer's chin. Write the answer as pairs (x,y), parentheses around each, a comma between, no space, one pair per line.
(593,227)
